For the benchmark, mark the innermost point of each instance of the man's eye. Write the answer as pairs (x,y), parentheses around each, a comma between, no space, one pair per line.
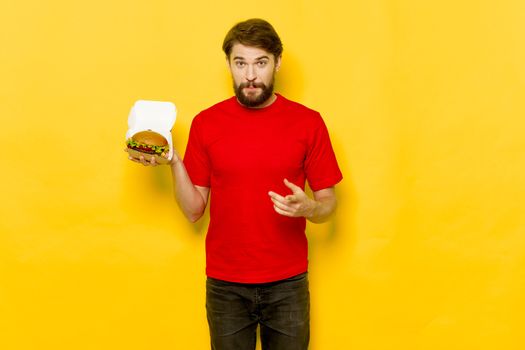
(261,63)
(240,64)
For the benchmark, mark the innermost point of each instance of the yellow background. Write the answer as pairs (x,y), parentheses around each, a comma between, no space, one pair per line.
(425,103)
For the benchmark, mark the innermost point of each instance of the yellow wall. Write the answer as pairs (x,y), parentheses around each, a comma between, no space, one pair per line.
(425,104)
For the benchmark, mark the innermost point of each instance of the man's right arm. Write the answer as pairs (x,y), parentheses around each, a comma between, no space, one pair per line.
(191,199)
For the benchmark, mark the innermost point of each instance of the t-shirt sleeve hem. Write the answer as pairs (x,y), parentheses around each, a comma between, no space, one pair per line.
(326,183)
(200,182)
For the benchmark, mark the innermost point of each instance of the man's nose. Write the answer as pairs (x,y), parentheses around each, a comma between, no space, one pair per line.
(250,73)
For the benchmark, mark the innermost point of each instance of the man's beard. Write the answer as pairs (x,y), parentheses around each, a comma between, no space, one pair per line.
(253,100)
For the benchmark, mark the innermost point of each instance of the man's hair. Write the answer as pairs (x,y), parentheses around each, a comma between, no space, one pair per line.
(254,32)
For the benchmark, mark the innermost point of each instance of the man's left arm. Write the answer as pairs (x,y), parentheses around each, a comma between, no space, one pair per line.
(298,204)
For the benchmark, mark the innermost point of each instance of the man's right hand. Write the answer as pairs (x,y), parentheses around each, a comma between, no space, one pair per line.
(152,162)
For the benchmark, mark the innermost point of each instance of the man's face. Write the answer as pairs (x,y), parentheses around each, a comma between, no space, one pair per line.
(253,71)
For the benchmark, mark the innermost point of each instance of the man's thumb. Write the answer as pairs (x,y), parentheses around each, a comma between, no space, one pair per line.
(291,186)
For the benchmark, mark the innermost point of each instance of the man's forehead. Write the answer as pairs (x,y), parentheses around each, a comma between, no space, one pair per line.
(248,52)
(235,57)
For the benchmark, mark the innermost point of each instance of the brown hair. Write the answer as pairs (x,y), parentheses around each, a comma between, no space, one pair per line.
(254,32)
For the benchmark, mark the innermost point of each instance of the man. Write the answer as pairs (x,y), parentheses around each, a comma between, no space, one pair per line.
(254,152)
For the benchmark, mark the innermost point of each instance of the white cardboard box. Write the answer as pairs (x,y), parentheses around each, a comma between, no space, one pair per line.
(158,116)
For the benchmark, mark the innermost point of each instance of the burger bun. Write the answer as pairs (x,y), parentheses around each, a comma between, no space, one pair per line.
(147,156)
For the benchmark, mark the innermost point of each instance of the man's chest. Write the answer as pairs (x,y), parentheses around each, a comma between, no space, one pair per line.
(256,150)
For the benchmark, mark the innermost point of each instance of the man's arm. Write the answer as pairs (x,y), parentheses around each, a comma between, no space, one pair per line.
(191,199)
(298,204)
(324,205)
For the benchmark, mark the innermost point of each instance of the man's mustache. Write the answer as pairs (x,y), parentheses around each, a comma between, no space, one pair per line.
(252,84)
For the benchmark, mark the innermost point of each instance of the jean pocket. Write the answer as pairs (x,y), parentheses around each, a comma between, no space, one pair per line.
(227,308)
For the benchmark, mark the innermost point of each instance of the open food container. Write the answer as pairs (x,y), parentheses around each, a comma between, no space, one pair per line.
(158,116)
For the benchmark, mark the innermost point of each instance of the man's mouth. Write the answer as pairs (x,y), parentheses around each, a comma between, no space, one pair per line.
(252,86)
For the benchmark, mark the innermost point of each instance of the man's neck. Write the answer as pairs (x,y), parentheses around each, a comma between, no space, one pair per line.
(266,103)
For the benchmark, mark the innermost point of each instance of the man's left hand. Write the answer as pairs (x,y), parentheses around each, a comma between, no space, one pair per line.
(296,204)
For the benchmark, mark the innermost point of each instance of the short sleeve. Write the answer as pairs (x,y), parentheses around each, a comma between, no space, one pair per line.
(322,170)
(196,158)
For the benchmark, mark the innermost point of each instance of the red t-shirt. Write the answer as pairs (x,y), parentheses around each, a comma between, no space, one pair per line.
(241,154)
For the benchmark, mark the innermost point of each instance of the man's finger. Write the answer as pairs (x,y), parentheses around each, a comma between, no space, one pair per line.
(281,206)
(291,198)
(282,212)
(143,161)
(292,186)
(277,196)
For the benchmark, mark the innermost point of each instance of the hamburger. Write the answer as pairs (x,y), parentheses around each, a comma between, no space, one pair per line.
(149,144)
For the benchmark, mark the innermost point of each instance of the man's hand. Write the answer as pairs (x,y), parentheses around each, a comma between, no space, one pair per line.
(296,204)
(152,162)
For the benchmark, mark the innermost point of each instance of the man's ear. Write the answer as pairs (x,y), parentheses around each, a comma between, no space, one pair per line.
(278,63)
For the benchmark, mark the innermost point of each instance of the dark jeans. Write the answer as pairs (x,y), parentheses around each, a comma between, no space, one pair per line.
(282,309)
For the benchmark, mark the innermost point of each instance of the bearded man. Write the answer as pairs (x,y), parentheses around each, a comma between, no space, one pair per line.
(252,155)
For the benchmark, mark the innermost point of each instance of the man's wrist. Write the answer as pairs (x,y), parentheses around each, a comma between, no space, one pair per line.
(175,161)
(313,209)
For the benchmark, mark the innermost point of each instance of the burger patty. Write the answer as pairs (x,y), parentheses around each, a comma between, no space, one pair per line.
(143,149)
